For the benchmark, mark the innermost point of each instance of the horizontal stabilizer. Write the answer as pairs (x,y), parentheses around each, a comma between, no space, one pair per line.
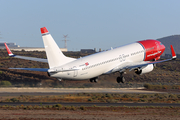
(24,57)
(31,58)
(32,69)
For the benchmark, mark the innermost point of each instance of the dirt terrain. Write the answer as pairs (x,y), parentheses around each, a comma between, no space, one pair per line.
(94,113)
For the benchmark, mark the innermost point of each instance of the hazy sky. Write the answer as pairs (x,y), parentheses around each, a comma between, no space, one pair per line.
(88,23)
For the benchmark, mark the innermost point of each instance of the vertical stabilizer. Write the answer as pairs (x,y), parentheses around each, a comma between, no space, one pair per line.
(54,55)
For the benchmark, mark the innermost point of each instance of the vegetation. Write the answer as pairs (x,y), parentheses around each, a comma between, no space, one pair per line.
(84,108)
(160,87)
(95,97)
(5,83)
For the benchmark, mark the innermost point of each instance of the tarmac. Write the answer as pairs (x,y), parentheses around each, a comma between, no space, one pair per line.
(75,90)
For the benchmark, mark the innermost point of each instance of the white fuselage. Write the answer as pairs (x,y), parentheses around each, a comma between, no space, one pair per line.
(101,63)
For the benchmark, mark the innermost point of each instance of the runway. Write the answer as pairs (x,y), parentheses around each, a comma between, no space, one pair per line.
(92,104)
(52,91)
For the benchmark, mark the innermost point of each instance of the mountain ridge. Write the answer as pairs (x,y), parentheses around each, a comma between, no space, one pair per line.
(171,40)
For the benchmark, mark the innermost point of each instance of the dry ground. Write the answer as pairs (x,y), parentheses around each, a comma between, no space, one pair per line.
(93,114)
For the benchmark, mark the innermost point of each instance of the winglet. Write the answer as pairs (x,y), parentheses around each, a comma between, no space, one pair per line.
(44,30)
(173,53)
(8,50)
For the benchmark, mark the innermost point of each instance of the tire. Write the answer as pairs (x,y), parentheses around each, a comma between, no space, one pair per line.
(118,79)
(122,79)
(91,80)
(96,80)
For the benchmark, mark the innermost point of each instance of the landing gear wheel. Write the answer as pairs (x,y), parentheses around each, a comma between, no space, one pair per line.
(120,79)
(94,80)
(91,80)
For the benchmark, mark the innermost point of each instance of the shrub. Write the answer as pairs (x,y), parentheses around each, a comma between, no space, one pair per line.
(176,87)
(165,87)
(58,106)
(108,95)
(126,96)
(172,96)
(147,86)
(82,108)
(14,100)
(158,87)
(111,101)
(144,96)
(5,83)
(73,108)
(90,100)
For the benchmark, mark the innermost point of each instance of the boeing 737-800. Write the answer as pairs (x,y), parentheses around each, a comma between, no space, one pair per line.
(139,56)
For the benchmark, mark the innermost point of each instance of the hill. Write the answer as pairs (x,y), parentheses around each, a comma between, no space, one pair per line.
(171,40)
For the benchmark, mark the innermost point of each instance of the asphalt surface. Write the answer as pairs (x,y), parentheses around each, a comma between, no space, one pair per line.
(15,90)
(92,104)
(35,94)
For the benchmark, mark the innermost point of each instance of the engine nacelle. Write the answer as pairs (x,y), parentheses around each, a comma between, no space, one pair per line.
(147,69)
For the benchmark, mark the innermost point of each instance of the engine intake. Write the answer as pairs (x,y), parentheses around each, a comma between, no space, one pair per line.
(146,69)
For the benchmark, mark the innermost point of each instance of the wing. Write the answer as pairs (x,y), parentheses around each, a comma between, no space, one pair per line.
(23,57)
(142,64)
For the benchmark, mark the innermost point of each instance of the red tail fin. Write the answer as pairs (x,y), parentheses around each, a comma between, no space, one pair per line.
(8,50)
(44,30)
(173,52)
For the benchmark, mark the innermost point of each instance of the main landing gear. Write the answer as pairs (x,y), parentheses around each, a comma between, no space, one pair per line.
(94,79)
(120,78)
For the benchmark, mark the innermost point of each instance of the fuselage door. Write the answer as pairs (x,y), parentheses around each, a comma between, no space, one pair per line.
(75,72)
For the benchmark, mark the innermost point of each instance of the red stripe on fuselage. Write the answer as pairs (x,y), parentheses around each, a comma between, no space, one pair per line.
(153,49)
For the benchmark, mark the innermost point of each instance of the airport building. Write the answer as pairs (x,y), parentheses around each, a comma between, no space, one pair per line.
(9,44)
(15,47)
(34,49)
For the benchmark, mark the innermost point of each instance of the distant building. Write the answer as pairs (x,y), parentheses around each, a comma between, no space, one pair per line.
(87,51)
(169,56)
(11,45)
(34,49)
(15,47)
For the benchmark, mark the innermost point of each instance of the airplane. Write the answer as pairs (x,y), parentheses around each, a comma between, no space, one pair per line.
(140,56)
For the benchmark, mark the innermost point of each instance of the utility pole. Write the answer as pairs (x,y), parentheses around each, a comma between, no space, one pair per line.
(65,41)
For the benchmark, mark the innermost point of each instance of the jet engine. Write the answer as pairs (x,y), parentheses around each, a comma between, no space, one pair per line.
(146,69)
